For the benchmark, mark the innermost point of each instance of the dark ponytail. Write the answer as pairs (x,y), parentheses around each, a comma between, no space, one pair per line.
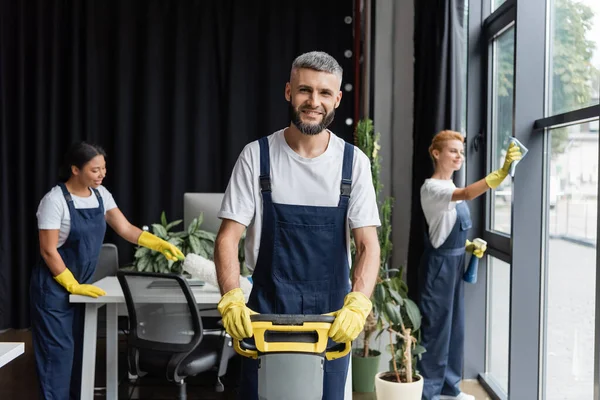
(78,155)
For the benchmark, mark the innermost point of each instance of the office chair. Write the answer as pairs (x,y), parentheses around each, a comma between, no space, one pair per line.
(108,262)
(165,332)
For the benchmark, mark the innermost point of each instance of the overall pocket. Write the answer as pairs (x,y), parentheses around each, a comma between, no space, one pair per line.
(303,253)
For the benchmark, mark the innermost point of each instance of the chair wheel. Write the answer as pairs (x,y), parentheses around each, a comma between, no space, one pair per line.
(219,388)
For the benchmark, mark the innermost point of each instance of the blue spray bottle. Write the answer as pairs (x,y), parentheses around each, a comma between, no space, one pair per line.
(470,275)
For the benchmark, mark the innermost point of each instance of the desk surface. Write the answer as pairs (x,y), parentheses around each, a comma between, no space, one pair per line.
(207,294)
(9,351)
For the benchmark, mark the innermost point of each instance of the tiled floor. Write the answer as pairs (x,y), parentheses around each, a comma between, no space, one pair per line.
(19,381)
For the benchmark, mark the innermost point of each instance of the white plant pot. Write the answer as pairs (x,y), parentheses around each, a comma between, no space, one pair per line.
(386,390)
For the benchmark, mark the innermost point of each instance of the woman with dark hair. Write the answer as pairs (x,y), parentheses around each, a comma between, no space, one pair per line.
(72,219)
(442,264)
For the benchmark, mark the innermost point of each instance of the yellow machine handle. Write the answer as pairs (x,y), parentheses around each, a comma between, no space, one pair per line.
(275,333)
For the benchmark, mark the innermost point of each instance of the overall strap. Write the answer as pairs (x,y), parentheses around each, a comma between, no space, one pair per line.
(265,169)
(99,197)
(66,193)
(346,184)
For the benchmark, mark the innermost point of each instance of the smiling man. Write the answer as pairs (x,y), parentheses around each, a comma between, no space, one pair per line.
(300,192)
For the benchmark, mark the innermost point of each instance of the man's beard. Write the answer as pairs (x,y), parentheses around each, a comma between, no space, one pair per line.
(310,129)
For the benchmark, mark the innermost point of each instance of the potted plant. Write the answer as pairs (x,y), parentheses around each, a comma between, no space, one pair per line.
(365,360)
(192,240)
(398,316)
(393,311)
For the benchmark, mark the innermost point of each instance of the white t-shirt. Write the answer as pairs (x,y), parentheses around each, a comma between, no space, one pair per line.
(53,211)
(300,181)
(439,210)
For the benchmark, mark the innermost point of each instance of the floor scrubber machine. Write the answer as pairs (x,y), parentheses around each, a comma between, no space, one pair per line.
(291,351)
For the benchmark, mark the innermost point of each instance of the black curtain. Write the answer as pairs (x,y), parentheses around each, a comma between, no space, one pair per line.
(172,90)
(440,45)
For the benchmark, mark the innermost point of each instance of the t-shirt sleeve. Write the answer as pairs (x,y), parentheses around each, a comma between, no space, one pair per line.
(362,208)
(238,202)
(107,199)
(435,199)
(50,212)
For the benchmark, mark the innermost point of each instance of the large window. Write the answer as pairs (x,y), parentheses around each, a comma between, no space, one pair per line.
(498,312)
(571,200)
(503,67)
(536,73)
(574,55)
(571,210)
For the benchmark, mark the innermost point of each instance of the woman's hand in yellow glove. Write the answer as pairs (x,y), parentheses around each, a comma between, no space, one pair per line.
(350,319)
(472,247)
(169,250)
(68,281)
(494,179)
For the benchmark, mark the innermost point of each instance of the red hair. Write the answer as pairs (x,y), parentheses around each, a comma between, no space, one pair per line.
(438,141)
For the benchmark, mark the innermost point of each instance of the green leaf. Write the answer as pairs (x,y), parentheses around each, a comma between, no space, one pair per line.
(205,235)
(379,295)
(200,219)
(162,265)
(163,219)
(176,241)
(193,226)
(396,296)
(418,350)
(142,264)
(412,310)
(172,224)
(209,249)
(195,244)
(159,231)
(182,234)
(141,252)
(393,313)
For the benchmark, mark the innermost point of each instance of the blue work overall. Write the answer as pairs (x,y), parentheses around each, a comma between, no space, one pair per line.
(442,306)
(57,325)
(302,267)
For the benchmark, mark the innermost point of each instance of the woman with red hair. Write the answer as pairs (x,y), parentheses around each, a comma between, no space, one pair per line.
(442,264)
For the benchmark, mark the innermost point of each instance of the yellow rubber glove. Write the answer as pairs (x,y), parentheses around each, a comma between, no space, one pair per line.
(495,178)
(170,251)
(350,319)
(478,251)
(68,281)
(236,316)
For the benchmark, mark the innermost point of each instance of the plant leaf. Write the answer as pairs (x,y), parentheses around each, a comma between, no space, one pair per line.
(393,313)
(163,219)
(412,310)
(205,235)
(396,296)
(172,224)
(182,234)
(200,219)
(141,252)
(194,244)
(193,226)
(159,231)
(418,350)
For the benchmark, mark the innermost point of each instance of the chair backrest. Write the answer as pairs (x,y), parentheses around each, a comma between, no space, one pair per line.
(207,203)
(108,262)
(162,311)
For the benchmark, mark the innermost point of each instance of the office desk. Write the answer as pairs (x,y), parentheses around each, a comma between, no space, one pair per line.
(207,296)
(9,351)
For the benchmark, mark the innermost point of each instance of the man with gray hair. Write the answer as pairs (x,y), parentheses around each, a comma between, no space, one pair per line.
(300,192)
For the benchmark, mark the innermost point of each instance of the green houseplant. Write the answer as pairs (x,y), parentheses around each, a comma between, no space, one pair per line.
(393,311)
(191,240)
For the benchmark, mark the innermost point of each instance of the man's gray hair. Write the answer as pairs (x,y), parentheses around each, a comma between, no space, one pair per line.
(318,61)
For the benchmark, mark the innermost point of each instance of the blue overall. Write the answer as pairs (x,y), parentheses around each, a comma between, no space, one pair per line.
(442,306)
(57,325)
(302,267)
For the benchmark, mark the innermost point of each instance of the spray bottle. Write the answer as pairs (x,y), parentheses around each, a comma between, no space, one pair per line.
(470,275)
